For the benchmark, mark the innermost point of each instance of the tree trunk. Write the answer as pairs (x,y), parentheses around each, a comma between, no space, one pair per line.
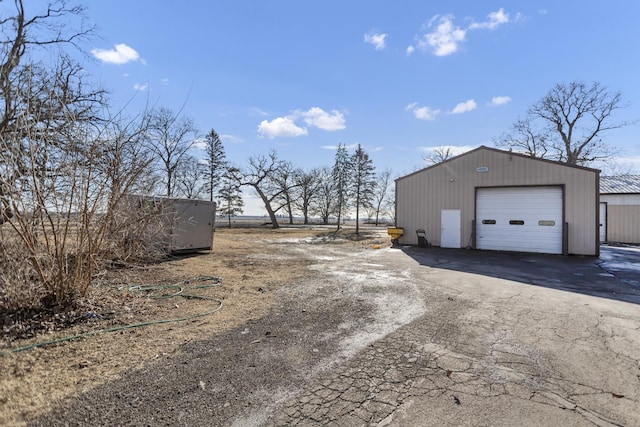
(267,206)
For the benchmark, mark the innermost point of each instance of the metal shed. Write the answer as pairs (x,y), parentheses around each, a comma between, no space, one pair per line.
(620,209)
(498,200)
(187,225)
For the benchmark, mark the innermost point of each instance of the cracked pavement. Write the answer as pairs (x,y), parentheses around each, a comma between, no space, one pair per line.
(403,337)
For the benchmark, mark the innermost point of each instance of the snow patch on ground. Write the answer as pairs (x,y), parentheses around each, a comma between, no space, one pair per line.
(621,266)
(392,309)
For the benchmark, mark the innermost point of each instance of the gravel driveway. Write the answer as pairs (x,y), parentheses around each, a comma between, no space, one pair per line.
(399,336)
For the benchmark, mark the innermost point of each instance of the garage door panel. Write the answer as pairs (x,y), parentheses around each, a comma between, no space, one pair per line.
(526,219)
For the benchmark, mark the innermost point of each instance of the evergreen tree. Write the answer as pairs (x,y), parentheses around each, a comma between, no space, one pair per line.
(216,163)
(341,176)
(363,183)
(230,194)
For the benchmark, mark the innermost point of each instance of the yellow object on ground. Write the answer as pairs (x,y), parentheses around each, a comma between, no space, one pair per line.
(395,233)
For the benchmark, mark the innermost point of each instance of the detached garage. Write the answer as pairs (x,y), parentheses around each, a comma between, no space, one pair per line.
(497,200)
(620,209)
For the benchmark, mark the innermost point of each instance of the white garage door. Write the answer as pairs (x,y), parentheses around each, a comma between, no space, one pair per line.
(522,219)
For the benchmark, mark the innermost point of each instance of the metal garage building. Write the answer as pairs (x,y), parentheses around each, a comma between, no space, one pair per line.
(620,209)
(498,200)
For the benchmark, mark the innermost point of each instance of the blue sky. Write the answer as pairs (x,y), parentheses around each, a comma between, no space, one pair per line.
(397,77)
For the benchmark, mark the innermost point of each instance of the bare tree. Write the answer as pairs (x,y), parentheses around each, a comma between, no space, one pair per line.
(230,194)
(65,204)
(37,96)
(188,177)
(285,178)
(21,32)
(66,165)
(572,118)
(380,199)
(363,183)
(325,201)
(260,174)
(307,188)
(123,162)
(523,138)
(47,115)
(439,155)
(390,204)
(170,138)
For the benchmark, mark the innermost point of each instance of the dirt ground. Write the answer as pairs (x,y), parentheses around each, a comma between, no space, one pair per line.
(31,381)
(324,329)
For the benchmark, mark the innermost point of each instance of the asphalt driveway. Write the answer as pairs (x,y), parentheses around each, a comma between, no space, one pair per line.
(405,337)
(615,274)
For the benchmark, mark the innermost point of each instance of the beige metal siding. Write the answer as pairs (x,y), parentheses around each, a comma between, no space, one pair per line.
(451,185)
(621,199)
(623,223)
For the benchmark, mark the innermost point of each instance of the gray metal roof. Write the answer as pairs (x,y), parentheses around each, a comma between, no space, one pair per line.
(621,184)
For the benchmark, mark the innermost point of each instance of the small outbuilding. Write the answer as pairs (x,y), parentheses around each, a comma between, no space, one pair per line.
(620,209)
(498,200)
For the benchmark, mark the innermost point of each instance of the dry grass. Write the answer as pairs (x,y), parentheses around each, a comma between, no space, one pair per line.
(30,381)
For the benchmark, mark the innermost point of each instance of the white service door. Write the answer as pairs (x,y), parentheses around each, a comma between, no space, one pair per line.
(521,219)
(603,222)
(450,228)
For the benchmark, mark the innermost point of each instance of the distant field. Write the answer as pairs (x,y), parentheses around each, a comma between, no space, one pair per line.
(256,221)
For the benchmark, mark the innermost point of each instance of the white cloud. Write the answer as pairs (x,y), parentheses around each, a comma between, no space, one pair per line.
(464,107)
(499,100)
(446,37)
(425,113)
(314,117)
(410,50)
(378,40)
(121,54)
(319,118)
(141,87)
(231,138)
(422,113)
(283,127)
(495,19)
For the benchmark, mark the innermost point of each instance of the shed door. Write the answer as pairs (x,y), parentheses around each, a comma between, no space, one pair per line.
(603,222)
(521,219)
(450,228)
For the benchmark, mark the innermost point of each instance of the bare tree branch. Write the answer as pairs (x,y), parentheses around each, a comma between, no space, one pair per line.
(578,114)
(260,175)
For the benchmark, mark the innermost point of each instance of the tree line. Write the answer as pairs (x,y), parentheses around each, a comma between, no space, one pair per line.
(350,184)
(324,192)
